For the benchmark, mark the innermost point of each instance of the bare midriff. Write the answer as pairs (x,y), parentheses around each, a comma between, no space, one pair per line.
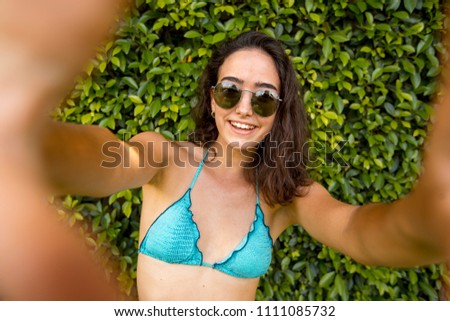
(161,281)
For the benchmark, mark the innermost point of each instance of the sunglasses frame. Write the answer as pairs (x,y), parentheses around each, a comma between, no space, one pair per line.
(275,97)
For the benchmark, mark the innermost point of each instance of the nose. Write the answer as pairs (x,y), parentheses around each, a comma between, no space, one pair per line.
(244,106)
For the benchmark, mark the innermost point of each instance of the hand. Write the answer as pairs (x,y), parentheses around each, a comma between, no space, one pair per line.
(44,44)
(59,30)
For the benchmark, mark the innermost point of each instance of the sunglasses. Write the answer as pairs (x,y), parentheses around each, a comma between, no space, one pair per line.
(264,102)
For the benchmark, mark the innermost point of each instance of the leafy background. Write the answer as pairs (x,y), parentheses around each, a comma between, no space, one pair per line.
(368,70)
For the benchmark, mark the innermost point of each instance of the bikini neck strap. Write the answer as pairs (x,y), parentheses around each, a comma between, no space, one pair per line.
(199,169)
(257,187)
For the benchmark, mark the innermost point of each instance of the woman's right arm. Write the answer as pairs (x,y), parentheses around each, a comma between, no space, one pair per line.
(90,160)
(42,258)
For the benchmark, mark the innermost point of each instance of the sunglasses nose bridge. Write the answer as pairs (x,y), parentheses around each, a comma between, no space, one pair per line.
(244,105)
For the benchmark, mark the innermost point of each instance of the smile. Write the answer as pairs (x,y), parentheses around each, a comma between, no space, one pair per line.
(242,125)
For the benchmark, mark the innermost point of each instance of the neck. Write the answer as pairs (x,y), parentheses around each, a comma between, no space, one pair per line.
(231,158)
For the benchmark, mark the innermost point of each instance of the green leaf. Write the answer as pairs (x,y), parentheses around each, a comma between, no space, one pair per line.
(406,96)
(309,5)
(375,4)
(378,162)
(161,22)
(127,208)
(327,279)
(424,44)
(268,289)
(327,47)
(322,135)
(379,182)
(315,17)
(383,27)
(218,37)
(339,284)
(86,119)
(130,82)
(330,115)
(415,80)
(192,34)
(167,134)
(362,5)
(202,52)
(393,5)
(115,61)
(408,66)
(429,291)
(155,107)
(417,28)
(135,99)
(138,109)
(344,57)
(87,86)
(410,5)
(377,73)
(142,27)
(339,36)
(401,15)
(182,125)
(413,277)
(392,68)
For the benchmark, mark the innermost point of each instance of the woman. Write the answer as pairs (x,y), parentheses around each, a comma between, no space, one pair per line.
(213,207)
(211,210)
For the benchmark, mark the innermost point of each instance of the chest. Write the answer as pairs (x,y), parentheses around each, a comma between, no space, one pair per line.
(175,237)
(222,210)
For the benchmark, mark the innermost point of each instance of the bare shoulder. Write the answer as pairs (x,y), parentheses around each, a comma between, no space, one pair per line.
(172,159)
(285,215)
(148,137)
(157,142)
(156,149)
(312,193)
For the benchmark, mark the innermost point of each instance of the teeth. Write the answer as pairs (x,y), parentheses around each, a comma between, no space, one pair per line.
(242,126)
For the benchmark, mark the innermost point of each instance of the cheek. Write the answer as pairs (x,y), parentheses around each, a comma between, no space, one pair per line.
(267,124)
(265,133)
(221,114)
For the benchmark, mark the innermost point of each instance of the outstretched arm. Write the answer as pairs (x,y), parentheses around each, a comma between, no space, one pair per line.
(92,161)
(405,233)
(43,45)
(408,232)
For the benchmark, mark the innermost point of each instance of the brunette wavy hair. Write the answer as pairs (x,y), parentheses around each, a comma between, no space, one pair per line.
(281,158)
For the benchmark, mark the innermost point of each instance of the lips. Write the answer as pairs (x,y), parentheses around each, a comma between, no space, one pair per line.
(242,126)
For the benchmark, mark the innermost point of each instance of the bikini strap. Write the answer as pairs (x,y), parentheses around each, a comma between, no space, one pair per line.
(257,187)
(199,169)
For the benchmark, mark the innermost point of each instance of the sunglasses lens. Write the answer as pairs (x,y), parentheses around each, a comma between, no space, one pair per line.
(264,104)
(227,96)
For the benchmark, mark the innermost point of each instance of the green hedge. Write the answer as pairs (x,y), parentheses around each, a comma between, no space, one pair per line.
(368,70)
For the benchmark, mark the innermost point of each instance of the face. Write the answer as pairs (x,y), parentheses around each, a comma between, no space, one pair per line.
(249,70)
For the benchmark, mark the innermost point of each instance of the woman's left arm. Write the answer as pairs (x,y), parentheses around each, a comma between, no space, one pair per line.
(414,230)
(405,233)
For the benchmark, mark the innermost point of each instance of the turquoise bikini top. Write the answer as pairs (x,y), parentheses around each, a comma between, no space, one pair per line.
(173,238)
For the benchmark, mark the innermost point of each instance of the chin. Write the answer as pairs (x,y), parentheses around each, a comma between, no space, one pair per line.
(236,138)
